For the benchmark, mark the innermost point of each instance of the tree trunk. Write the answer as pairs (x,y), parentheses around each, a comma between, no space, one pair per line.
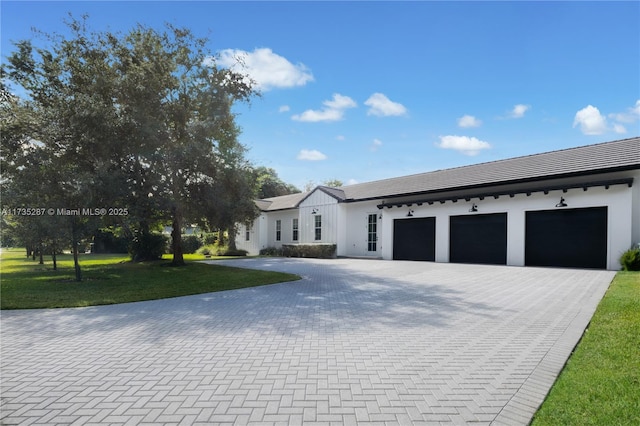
(54,256)
(176,239)
(75,243)
(232,238)
(41,254)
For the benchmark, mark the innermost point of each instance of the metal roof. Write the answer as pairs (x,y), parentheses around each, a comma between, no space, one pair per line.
(580,161)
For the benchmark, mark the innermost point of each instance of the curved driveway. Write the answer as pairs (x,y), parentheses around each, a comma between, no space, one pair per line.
(355,341)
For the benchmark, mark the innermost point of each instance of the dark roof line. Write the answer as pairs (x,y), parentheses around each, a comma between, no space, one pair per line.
(511,193)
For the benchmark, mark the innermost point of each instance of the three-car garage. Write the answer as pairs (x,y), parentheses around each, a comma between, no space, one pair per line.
(575,238)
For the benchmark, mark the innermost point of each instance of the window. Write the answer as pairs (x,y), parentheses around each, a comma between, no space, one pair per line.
(372,233)
(295,230)
(247,235)
(318,227)
(278,230)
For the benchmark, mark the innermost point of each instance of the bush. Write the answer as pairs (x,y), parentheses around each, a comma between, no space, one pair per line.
(270,251)
(234,253)
(191,244)
(320,251)
(630,259)
(210,239)
(147,246)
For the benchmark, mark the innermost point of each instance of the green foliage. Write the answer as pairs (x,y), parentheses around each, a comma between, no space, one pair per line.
(232,252)
(107,241)
(191,243)
(630,259)
(268,184)
(321,251)
(141,120)
(147,246)
(210,238)
(271,251)
(600,385)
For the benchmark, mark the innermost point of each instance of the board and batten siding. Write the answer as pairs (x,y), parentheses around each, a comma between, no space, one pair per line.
(326,207)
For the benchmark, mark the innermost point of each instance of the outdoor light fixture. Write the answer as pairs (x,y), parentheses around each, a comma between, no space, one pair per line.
(561,203)
(474,208)
(314,211)
(410,214)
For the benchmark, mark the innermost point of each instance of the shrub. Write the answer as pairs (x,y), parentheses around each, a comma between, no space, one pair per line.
(210,239)
(147,246)
(321,251)
(630,259)
(270,251)
(234,253)
(191,244)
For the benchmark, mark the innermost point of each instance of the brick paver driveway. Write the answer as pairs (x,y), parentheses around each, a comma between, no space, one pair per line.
(355,341)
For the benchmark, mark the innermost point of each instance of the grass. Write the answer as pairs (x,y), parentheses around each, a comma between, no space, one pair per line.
(600,385)
(109,279)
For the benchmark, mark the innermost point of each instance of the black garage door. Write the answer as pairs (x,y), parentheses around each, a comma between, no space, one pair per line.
(575,238)
(414,239)
(478,239)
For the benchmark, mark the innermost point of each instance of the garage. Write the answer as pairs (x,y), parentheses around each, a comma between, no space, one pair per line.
(414,239)
(572,238)
(478,239)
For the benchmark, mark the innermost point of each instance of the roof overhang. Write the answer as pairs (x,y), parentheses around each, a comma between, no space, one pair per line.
(455,196)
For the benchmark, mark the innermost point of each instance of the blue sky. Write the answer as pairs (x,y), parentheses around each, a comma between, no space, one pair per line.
(360,91)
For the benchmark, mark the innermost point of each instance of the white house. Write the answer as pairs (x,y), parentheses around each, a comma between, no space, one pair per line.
(577,207)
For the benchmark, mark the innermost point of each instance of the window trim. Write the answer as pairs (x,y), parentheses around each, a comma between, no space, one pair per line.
(278,230)
(318,227)
(295,229)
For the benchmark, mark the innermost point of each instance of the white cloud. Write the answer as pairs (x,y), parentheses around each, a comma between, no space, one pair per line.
(377,143)
(464,144)
(340,102)
(333,110)
(311,155)
(268,69)
(630,116)
(340,138)
(284,108)
(619,128)
(590,120)
(352,182)
(519,110)
(469,121)
(382,106)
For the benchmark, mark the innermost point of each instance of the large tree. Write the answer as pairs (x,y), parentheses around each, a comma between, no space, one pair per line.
(133,120)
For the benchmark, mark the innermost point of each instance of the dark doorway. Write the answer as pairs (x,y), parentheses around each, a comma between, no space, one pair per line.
(573,238)
(414,239)
(478,239)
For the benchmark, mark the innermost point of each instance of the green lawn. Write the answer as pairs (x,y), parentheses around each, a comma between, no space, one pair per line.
(108,279)
(600,385)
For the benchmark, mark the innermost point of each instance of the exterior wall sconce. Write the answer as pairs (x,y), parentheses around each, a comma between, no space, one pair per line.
(380,216)
(314,211)
(561,203)
(474,208)
(410,214)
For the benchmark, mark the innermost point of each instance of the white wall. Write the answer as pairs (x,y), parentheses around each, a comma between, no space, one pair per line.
(635,213)
(254,244)
(286,237)
(356,216)
(327,207)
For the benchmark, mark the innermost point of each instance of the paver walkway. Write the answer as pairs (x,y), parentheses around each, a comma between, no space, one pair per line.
(354,342)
